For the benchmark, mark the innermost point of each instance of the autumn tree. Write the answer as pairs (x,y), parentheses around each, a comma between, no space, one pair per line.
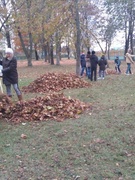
(5,28)
(28,23)
(123,14)
(45,24)
(88,17)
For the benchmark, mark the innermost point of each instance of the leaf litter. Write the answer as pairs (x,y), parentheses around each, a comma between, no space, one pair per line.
(51,107)
(55,82)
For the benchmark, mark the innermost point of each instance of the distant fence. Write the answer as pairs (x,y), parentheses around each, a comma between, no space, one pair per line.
(111,57)
(122,58)
(113,53)
(22,57)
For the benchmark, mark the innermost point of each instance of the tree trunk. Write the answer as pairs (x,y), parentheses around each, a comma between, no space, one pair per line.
(131,35)
(78,33)
(29,61)
(68,51)
(36,53)
(8,36)
(58,49)
(127,43)
(45,52)
(28,53)
(48,55)
(129,38)
(58,54)
(5,24)
(108,50)
(51,54)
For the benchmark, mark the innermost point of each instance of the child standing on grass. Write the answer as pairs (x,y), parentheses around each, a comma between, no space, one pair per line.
(117,64)
(102,64)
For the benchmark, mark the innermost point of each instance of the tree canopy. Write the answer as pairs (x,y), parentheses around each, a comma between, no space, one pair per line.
(44,25)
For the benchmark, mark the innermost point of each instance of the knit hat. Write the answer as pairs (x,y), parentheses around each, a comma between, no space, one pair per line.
(93,52)
(9,50)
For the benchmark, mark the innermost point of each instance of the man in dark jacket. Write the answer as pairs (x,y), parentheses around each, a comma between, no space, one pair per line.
(10,75)
(83,64)
(94,62)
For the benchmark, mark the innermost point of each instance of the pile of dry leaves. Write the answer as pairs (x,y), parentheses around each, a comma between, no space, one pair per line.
(53,106)
(5,102)
(53,82)
(110,71)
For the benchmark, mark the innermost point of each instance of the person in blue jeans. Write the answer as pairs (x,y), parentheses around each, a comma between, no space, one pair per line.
(83,64)
(129,60)
(102,65)
(88,66)
(10,73)
(117,64)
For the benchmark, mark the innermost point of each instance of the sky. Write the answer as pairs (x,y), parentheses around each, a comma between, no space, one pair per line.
(117,43)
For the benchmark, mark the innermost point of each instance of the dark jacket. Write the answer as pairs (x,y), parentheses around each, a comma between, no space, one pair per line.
(93,61)
(102,63)
(10,75)
(117,61)
(82,60)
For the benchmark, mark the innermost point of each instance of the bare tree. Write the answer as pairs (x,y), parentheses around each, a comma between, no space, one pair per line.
(4,20)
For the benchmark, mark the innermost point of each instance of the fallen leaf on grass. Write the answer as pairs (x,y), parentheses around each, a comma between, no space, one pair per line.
(117,164)
(18,157)
(98,140)
(23,136)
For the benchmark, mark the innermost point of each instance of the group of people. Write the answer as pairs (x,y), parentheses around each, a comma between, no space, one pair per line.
(89,63)
(129,61)
(9,73)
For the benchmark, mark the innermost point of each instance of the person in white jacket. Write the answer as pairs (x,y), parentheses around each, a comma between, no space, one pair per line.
(129,60)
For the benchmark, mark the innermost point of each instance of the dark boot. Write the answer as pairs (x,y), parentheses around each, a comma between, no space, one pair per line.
(20,97)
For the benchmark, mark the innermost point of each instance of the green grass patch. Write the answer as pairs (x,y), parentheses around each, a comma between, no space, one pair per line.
(98,145)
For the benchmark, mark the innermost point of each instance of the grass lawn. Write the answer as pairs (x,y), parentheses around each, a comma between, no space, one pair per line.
(99,145)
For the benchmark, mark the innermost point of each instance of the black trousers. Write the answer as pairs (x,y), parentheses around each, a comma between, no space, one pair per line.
(93,73)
